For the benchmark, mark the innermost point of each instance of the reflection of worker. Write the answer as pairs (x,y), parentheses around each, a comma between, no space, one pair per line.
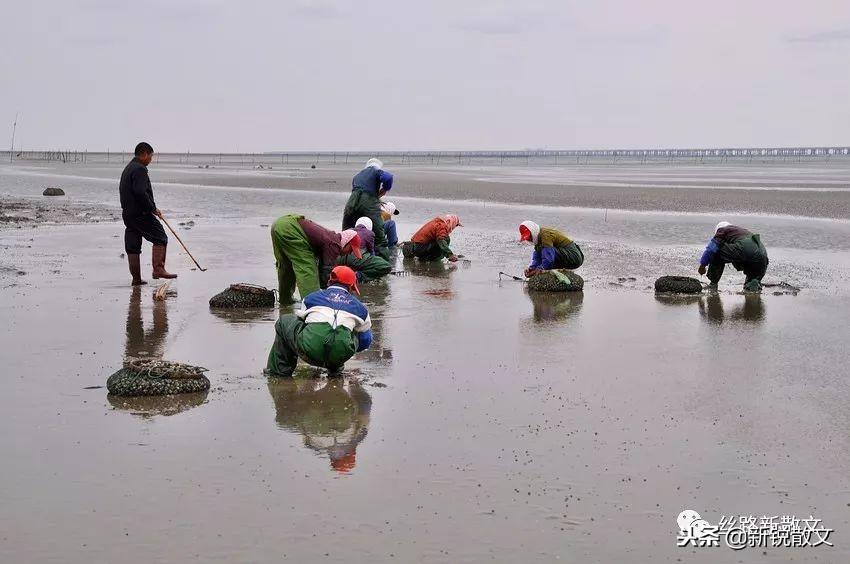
(329,329)
(740,247)
(388,210)
(369,266)
(711,307)
(143,343)
(367,187)
(431,242)
(332,416)
(552,249)
(553,306)
(305,252)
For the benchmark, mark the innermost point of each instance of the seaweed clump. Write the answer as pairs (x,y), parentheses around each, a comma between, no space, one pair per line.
(51,191)
(678,285)
(157,378)
(243,296)
(560,280)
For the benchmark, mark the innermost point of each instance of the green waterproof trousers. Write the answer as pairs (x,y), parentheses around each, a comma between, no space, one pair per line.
(370,267)
(296,264)
(747,254)
(432,251)
(317,344)
(569,257)
(362,204)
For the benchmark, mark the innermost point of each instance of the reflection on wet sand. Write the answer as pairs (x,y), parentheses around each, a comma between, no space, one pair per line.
(244,316)
(555,306)
(150,343)
(752,310)
(375,298)
(331,415)
(437,269)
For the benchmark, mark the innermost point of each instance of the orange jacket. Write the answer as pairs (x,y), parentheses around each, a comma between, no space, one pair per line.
(434,230)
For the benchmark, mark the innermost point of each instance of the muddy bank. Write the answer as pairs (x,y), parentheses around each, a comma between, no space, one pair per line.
(27,212)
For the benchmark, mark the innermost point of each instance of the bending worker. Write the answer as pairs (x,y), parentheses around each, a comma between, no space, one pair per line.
(740,247)
(431,242)
(305,252)
(367,187)
(139,212)
(370,266)
(552,249)
(331,326)
(388,210)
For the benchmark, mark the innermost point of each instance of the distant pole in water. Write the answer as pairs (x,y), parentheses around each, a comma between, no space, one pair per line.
(14,128)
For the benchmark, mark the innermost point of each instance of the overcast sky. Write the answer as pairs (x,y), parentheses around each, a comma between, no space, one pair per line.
(250,75)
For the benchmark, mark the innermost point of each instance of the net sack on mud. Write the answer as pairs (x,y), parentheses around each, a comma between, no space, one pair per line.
(151,377)
(560,280)
(52,191)
(678,285)
(244,296)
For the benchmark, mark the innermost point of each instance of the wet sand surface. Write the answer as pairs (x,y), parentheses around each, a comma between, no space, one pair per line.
(485,424)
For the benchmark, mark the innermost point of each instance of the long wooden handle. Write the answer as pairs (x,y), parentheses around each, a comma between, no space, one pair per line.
(165,221)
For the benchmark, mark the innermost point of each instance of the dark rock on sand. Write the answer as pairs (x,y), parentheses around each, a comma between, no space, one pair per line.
(53,192)
(243,296)
(550,282)
(678,285)
(157,378)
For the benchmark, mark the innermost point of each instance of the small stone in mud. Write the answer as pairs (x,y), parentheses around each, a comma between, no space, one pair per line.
(678,285)
(243,296)
(51,191)
(548,281)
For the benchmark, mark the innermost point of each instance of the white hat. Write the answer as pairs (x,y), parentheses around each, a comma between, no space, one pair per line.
(721,225)
(389,208)
(374,163)
(365,222)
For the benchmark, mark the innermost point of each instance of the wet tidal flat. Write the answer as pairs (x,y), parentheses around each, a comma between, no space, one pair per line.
(485,424)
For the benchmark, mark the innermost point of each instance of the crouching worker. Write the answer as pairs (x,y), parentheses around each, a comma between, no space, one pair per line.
(552,249)
(305,252)
(431,242)
(742,248)
(370,266)
(388,210)
(330,328)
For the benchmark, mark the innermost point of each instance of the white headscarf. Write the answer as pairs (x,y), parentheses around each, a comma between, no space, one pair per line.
(374,163)
(534,229)
(365,222)
(721,225)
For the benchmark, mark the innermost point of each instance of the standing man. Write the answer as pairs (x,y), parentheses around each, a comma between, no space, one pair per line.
(742,248)
(367,187)
(140,214)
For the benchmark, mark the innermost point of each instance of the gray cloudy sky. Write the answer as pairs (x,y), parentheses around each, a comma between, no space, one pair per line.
(431,74)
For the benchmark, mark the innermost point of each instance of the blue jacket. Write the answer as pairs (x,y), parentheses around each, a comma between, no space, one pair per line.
(543,259)
(337,307)
(371,180)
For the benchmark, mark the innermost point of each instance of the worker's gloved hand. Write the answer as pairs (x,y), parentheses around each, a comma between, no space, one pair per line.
(529,272)
(452,258)
(701,269)
(157,213)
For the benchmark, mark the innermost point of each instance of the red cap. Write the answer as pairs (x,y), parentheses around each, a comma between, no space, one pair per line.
(344,275)
(524,233)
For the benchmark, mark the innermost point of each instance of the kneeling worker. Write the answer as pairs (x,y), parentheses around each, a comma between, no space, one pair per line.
(331,327)
(388,210)
(742,248)
(305,252)
(369,266)
(552,249)
(431,242)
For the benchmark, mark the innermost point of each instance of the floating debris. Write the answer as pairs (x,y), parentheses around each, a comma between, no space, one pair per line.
(560,280)
(141,377)
(52,191)
(678,285)
(243,296)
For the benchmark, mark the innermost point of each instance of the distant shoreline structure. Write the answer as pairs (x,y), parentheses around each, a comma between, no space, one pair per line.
(528,156)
